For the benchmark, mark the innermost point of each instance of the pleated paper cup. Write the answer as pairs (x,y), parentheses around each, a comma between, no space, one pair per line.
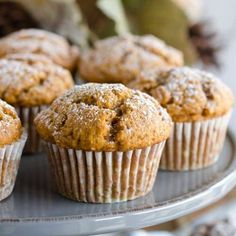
(27,115)
(104,177)
(194,145)
(10,156)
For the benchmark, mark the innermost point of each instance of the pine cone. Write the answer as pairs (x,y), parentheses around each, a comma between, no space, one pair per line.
(204,42)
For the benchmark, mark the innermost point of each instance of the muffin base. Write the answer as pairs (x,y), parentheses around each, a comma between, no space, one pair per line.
(27,115)
(194,145)
(10,156)
(104,177)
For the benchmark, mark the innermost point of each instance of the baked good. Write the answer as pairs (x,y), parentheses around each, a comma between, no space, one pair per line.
(25,85)
(12,141)
(29,88)
(200,106)
(101,117)
(40,42)
(30,58)
(187,94)
(120,59)
(104,124)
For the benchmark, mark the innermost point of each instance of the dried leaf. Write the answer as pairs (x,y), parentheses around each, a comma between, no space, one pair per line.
(101,25)
(60,16)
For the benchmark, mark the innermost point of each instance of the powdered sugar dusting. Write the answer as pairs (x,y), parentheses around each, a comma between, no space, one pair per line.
(105,117)
(41,42)
(188,94)
(112,97)
(30,83)
(120,59)
(10,125)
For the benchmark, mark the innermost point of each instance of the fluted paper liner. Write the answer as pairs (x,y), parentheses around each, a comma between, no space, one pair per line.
(27,115)
(194,145)
(104,177)
(10,156)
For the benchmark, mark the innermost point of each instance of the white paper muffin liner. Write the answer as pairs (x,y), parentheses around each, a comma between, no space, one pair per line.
(194,145)
(27,115)
(104,177)
(10,156)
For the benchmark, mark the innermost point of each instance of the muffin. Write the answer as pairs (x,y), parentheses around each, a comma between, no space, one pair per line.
(12,141)
(200,106)
(30,88)
(40,42)
(106,140)
(120,59)
(30,58)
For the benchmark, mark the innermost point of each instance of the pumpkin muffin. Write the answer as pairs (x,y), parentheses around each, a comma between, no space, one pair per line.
(120,59)
(106,140)
(30,88)
(200,106)
(12,141)
(41,42)
(30,58)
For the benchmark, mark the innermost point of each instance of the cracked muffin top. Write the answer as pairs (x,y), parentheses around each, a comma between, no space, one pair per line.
(104,117)
(29,58)
(40,42)
(187,94)
(10,125)
(120,59)
(23,84)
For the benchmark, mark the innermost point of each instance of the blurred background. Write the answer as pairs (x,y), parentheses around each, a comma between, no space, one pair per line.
(205,31)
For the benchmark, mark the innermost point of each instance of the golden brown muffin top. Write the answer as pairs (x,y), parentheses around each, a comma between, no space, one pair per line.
(30,58)
(187,94)
(10,125)
(41,42)
(22,84)
(120,59)
(104,117)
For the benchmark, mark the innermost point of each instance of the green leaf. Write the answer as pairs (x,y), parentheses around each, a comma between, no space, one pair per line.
(114,10)
(164,19)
